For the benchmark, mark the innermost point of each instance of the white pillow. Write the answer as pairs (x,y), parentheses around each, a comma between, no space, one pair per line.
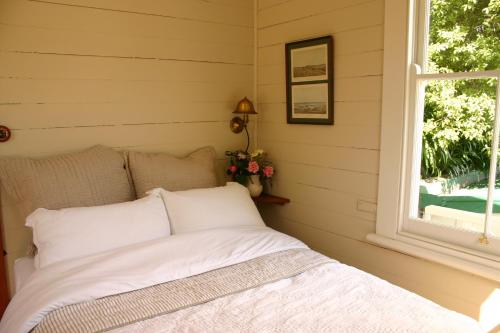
(76,232)
(208,208)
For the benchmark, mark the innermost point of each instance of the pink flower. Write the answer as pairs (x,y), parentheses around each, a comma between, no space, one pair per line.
(253,167)
(233,168)
(268,171)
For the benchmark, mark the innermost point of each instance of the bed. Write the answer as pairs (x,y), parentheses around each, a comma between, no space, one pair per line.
(186,255)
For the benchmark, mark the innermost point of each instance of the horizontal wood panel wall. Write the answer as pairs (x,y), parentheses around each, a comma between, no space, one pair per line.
(330,173)
(145,75)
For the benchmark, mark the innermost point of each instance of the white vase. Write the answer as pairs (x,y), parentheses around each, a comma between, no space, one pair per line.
(254,186)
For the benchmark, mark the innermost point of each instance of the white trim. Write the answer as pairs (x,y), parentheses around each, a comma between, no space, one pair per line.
(421,32)
(448,248)
(439,254)
(493,164)
(392,128)
(416,93)
(461,240)
(459,76)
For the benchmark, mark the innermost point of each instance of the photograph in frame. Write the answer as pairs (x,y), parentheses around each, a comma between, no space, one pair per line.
(309,81)
(310,101)
(310,63)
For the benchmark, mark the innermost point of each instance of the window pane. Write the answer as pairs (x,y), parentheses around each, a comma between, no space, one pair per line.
(456,150)
(463,36)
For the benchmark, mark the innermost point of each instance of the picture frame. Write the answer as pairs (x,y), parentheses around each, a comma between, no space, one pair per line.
(309,81)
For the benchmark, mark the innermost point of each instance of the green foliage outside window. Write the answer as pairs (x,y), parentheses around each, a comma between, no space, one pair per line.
(464,35)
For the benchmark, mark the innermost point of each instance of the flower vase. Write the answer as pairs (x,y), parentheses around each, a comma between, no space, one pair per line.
(254,186)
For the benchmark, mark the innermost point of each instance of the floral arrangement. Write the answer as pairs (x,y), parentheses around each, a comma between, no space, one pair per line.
(242,165)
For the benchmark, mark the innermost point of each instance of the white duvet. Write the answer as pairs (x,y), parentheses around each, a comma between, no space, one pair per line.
(328,298)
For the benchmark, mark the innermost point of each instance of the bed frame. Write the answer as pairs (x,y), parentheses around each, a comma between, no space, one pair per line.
(4,289)
(16,242)
(5,135)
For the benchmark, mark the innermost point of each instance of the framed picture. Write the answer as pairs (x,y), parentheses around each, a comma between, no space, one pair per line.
(309,81)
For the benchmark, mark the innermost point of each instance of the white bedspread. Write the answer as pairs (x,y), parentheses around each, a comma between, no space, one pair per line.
(330,298)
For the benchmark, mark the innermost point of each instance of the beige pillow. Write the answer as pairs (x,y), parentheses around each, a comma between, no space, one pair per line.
(93,177)
(152,170)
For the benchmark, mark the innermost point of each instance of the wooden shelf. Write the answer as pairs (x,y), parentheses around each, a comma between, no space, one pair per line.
(268,199)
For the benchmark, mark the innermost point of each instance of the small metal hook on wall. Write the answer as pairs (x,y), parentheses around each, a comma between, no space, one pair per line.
(4,133)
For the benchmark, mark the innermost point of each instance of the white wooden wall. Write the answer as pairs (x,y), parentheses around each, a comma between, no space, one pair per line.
(330,173)
(154,75)
(150,75)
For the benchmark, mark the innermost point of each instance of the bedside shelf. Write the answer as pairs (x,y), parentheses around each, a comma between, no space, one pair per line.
(268,199)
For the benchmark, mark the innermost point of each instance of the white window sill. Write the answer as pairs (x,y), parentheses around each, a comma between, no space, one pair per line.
(483,267)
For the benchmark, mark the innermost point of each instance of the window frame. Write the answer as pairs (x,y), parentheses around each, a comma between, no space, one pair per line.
(414,225)
(400,39)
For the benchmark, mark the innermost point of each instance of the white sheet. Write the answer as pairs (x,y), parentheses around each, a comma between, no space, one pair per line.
(23,268)
(137,266)
(332,297)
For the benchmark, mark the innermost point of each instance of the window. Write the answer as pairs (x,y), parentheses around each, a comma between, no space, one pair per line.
(439,188)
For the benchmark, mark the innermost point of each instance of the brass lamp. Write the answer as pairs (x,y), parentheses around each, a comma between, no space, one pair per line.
(237,124)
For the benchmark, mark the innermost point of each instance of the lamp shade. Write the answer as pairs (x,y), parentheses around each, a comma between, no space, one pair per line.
(245,107)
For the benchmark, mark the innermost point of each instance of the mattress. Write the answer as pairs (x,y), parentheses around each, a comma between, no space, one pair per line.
(240,279)
(23,268)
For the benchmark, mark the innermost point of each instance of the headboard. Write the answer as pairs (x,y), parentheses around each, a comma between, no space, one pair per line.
(17,239)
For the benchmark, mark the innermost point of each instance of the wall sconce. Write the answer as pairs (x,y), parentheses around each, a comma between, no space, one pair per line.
(4,133)
(237,124)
